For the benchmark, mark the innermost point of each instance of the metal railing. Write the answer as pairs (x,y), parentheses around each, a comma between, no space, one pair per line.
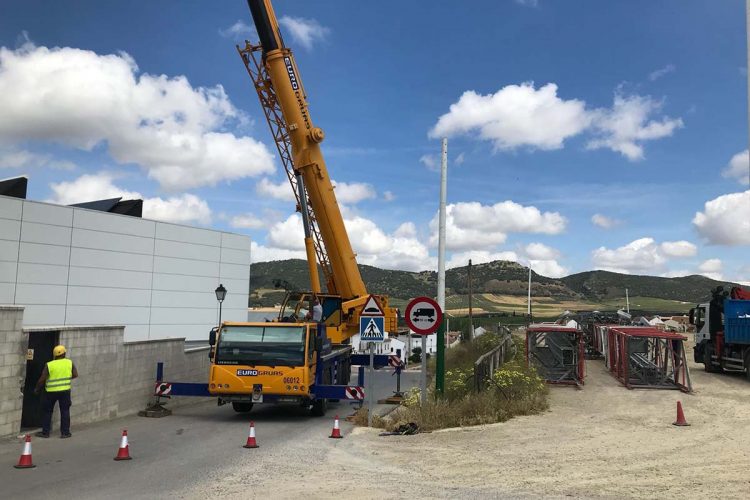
(491,361)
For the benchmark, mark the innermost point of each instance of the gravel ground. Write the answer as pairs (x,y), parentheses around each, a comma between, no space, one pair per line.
(600,442)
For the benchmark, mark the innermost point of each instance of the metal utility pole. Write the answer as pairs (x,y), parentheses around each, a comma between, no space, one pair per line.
(440,334)
(470,335)
(528,306)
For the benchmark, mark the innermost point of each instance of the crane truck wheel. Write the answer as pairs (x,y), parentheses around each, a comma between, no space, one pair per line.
(242,407)
(708,365)
(319,407)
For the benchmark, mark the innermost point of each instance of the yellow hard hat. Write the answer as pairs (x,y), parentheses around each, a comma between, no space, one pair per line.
(58,350)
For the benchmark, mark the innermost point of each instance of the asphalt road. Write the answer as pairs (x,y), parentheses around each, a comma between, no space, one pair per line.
(172,455)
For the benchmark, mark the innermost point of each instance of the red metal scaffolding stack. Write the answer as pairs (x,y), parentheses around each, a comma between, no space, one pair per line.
(557,353)
(644,357)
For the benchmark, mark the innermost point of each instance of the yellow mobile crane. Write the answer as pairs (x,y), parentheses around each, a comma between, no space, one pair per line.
(291,359)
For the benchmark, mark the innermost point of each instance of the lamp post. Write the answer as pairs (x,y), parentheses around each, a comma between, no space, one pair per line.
(221,293)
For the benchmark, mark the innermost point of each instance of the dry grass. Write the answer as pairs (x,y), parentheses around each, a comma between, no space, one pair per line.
(514,390)
(360,418)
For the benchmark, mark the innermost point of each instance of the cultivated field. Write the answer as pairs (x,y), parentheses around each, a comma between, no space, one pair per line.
(548,306)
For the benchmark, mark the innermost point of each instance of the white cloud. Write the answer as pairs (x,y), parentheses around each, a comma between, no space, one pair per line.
(543,260)
(540,251)
(460,159)
(185,208)
(515,116)
(400,250)
(471,225)
(738,168)
(306,32)
(603,221)
(388,196)
(349,193)
(406,230)
(711,268)
(640,256)
(656,74)
(429,161)
(522,116)
(725,220)
(459,259)
(262,253)
(81,99)
(549,268)
(281,191)
(624,127)
(288,234)
(239,30)
(353,192)
(678,249)
(247,221)
(21,158)
(528,3)
(677,273)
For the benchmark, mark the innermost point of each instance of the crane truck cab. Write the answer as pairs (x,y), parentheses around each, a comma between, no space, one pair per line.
(275,362)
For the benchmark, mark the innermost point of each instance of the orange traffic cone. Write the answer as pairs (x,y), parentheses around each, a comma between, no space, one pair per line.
(251,438)
(124,452)
(681,422)
(25,461)
(336,432)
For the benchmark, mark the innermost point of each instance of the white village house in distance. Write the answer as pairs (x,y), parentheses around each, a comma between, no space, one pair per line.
(100,263)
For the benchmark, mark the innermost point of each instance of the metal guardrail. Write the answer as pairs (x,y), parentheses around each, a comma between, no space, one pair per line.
(493,360)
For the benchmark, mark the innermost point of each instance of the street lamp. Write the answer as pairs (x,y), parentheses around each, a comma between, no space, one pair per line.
(221,293)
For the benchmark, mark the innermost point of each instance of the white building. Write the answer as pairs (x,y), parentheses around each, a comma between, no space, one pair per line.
(74,266)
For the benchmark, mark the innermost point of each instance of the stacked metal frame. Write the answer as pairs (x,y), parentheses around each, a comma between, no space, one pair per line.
(647,358)
(557,352)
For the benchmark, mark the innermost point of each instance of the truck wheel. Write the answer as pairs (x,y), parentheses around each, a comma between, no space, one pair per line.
(708,352)
(319,407)
(242,407)
(747,364)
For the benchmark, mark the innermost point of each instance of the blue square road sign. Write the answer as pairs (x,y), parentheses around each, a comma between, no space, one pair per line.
(371,328)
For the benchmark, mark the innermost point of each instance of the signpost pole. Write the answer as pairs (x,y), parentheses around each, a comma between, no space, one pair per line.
(423,376)
(370,385)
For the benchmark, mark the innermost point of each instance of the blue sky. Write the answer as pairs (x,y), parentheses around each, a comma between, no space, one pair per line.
(582,134)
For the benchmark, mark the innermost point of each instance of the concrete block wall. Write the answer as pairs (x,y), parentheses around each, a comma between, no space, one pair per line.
(12,368)
(115,378)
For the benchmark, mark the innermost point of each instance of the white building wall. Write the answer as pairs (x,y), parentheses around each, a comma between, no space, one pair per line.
(73,266)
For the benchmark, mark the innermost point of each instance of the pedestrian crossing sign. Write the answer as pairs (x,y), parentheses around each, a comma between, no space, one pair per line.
(371,328)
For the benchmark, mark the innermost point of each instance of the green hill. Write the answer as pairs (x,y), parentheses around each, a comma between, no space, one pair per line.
(604,285)
(269,280)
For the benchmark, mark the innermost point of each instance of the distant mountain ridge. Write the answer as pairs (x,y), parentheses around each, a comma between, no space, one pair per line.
(269,280)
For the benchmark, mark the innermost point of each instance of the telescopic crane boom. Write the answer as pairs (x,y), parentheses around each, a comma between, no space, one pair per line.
(278,83)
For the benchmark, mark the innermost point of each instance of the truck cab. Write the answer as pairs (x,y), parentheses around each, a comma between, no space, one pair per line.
(257,362)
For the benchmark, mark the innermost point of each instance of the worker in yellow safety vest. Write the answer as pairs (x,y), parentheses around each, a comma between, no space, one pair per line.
(56,379)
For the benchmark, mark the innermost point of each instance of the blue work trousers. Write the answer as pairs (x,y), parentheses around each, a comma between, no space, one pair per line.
(48,405)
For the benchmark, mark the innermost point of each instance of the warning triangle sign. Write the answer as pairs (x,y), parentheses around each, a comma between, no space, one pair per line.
(372,307)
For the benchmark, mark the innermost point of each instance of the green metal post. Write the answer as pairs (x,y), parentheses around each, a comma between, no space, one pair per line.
(440,362)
